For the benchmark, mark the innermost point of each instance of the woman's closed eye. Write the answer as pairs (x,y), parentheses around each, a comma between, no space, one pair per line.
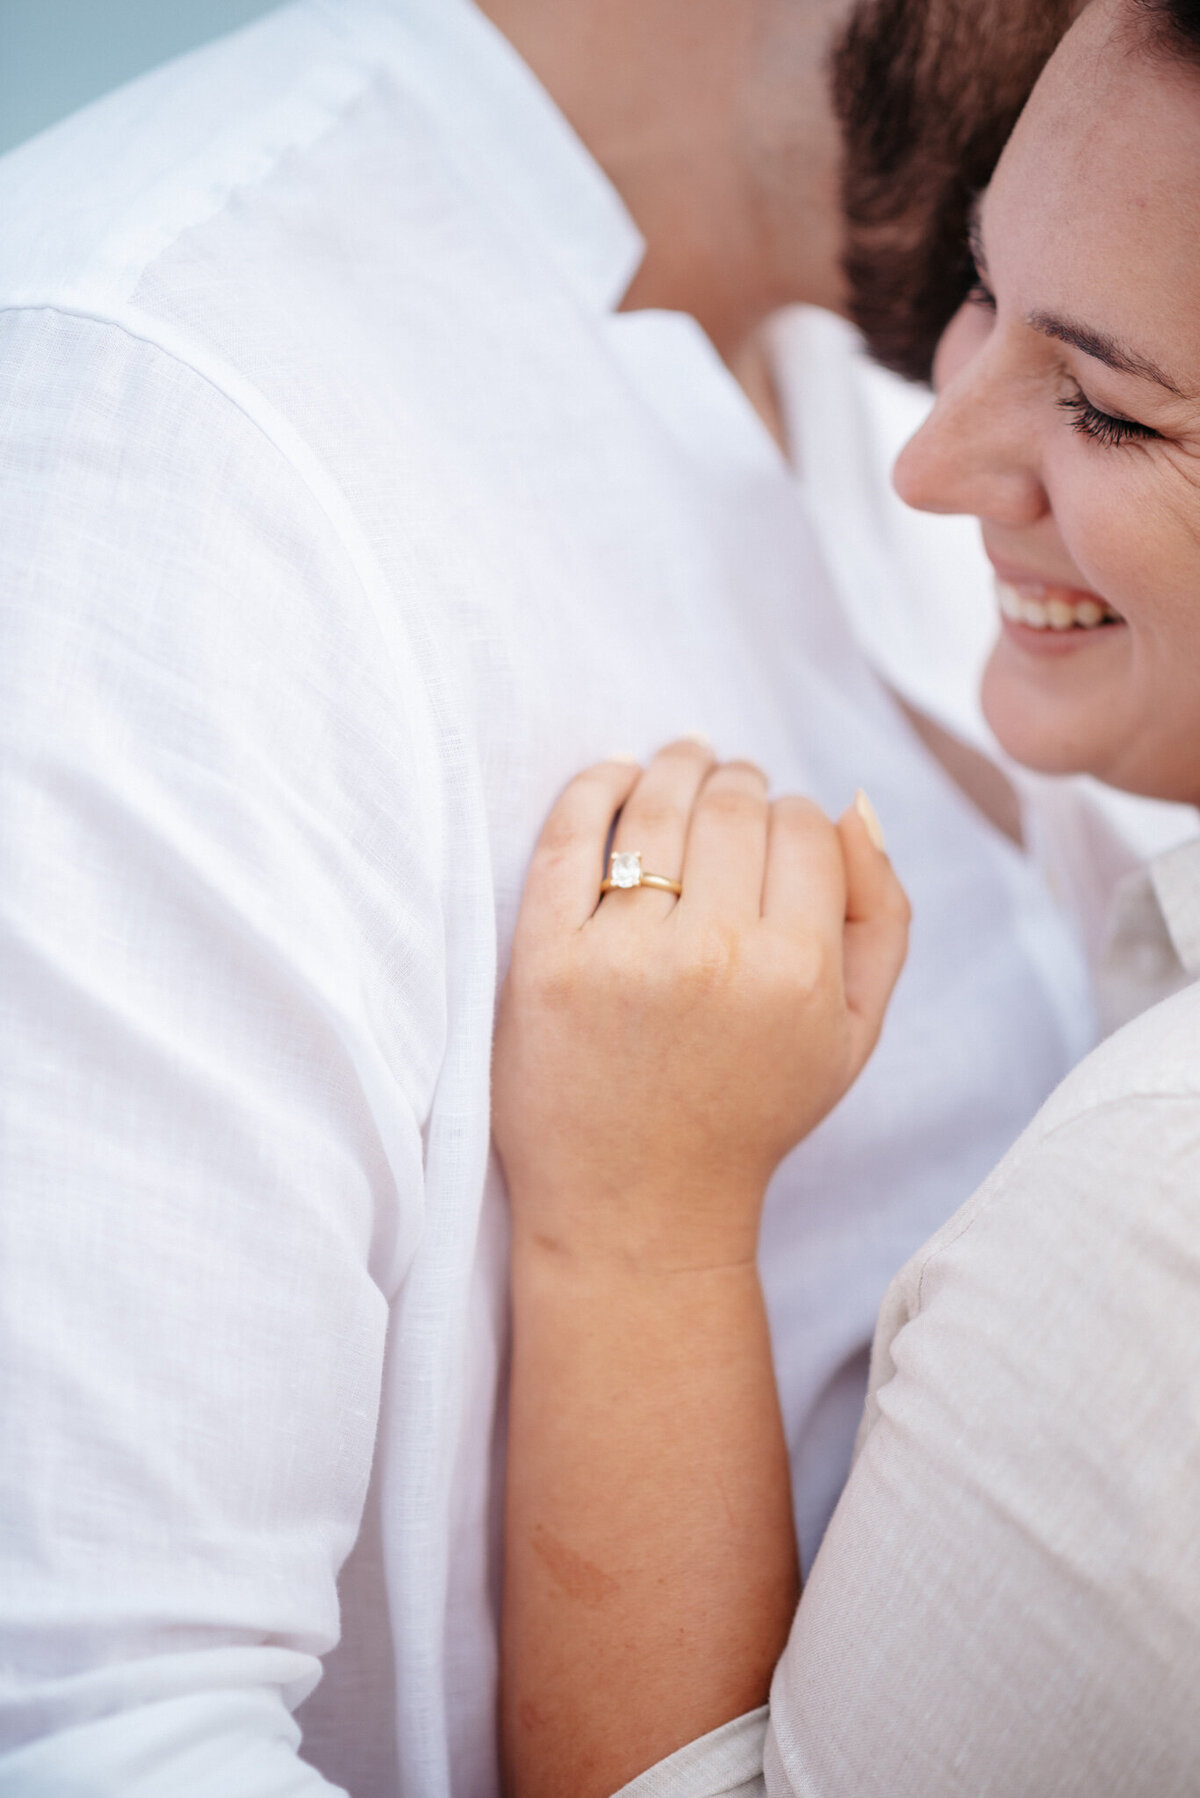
(1108,428)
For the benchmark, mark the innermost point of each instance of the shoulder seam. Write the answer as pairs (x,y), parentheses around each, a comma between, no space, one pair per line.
(318,95)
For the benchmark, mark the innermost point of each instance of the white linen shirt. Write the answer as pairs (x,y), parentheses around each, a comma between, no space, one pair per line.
(341,519)
(1008,1597)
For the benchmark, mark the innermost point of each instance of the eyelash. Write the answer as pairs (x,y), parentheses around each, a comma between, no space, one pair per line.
(1088,420)
(1102,427)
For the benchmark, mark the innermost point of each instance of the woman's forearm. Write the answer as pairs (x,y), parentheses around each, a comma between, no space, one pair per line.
(651,1571)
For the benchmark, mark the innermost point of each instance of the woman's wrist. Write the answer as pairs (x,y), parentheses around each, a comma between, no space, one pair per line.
(619,1323)
(648,1234)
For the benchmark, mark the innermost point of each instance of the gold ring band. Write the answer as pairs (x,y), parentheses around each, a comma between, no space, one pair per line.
(648,880)
(625,873)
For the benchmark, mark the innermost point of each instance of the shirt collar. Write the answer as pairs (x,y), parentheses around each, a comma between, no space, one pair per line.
(1175,877)
(509,137)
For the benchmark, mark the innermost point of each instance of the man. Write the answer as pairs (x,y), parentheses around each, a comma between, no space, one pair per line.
(370,461)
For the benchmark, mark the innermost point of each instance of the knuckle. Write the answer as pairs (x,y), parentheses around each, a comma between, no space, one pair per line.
(689,749)
(598,775)
(810,967)
(562,834)
(706,962)
(656,814)
(720,951)
(745,772)
(584,786)
(794,812)
(549,977)
(724,801)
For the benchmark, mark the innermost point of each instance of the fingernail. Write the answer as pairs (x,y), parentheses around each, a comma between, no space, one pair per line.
(870,818)
(623,755)
(696,736)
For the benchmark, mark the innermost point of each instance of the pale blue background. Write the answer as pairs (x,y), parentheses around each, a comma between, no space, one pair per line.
(57,54)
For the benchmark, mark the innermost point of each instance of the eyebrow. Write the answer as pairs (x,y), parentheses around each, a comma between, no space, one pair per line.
(1104,348)
(1097,344)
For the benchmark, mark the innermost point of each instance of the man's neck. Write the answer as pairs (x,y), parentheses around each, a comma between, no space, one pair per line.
(669,96)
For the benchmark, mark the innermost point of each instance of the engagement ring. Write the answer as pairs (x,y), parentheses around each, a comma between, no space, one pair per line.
(625,870)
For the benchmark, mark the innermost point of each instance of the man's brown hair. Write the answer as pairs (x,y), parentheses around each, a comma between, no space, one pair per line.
(927,92)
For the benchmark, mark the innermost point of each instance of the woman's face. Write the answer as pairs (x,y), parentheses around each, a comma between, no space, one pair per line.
(1068,417)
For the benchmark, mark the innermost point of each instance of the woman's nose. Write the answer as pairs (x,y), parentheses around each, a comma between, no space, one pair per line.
(975,453)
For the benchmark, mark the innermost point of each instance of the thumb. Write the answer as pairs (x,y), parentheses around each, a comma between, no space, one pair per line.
(877,920)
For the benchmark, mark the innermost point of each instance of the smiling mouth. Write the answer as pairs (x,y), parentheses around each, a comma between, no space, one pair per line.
(1041,607)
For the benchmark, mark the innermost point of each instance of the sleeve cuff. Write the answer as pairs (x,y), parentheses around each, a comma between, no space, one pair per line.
(726,1763)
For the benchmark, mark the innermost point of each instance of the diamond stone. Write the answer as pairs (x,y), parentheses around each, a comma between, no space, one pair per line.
(626,868)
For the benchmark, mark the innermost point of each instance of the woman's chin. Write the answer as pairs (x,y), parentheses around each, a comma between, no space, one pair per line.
(1075,727)
(1044,715)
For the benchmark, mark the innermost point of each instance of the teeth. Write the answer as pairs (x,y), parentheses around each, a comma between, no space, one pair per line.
(1025,605)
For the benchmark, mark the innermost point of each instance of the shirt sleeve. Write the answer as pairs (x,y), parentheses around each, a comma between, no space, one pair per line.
(1008,1596)
(221,1013)
(727,1763)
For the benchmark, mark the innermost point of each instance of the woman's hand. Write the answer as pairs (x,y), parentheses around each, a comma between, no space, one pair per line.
(655,1060)
(657,1057)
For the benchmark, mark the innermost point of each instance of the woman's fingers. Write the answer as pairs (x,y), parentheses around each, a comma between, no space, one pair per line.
(805,880)
(877,919)
(836,884)
(727,844)
(568,861)
(736,855)
(655,820)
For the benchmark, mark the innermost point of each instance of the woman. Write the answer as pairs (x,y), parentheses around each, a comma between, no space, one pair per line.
(1008,1599)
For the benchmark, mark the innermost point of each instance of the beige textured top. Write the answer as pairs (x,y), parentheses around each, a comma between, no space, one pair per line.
(1007,1601)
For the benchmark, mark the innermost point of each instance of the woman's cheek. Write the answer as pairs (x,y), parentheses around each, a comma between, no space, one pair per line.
(1104,526)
